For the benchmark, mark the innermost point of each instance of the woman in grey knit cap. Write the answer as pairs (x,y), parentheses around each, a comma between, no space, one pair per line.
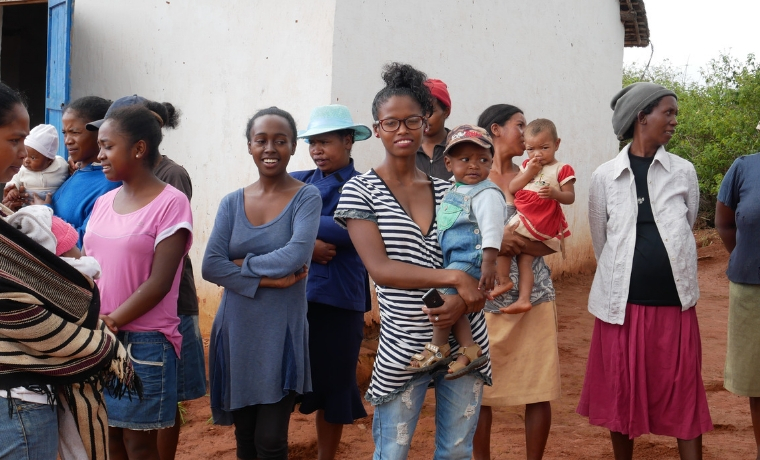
(644,371)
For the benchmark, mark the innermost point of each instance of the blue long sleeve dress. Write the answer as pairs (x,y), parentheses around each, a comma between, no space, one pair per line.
(260,337)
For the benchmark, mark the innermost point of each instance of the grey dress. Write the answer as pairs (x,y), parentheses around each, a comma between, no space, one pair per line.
(259,348)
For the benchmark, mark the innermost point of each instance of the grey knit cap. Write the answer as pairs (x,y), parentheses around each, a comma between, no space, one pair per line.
(631,100)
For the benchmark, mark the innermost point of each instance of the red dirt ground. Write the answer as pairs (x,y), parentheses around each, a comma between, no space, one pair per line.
(571,436)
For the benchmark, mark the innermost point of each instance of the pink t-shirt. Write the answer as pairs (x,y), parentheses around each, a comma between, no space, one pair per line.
(124,245)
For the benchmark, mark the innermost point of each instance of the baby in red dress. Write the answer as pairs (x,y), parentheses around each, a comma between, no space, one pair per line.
(541,186)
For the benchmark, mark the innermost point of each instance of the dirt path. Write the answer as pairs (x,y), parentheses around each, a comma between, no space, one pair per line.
(571,436)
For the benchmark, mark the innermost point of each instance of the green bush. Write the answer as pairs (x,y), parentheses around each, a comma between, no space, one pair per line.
(717,118)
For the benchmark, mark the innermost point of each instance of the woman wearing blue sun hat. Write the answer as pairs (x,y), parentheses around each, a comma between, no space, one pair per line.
(338,285)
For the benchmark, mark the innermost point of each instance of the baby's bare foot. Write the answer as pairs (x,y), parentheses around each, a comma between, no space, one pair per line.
(521,306)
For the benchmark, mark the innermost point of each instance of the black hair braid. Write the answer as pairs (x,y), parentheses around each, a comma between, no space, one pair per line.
(403,80)
(168,113)
(173,115)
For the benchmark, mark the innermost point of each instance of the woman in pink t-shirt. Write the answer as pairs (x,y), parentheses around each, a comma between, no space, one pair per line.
(139,233)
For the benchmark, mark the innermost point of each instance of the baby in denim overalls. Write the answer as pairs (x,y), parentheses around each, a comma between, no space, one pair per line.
(470,223)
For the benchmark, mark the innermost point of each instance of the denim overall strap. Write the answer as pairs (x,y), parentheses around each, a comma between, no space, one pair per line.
(453,204)
(480,186)
(458,230)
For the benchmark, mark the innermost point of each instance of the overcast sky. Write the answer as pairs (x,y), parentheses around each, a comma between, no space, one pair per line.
(691,32)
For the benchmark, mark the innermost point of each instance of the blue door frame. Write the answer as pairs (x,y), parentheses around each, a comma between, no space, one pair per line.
(58,78)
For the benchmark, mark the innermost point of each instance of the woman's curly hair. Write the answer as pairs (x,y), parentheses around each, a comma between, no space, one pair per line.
(403,80)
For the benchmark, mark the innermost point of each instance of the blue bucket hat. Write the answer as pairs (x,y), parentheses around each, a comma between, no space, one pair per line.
(125,101)
(335,117)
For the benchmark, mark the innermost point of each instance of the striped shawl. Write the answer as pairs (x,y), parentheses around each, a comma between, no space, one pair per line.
(50,335)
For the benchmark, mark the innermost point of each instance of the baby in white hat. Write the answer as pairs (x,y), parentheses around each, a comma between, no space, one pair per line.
(43,171)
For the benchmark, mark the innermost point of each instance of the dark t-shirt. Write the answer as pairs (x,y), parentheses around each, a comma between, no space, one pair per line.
(434,167)
(176,176)
(652,281)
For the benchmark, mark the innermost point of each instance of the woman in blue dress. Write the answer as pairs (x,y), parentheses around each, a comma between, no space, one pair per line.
(338,285)
(259,251)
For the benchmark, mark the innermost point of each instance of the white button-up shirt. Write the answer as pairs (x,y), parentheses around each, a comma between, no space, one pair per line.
(612,213)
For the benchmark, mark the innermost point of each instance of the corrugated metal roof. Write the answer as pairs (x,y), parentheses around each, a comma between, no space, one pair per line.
(634,18)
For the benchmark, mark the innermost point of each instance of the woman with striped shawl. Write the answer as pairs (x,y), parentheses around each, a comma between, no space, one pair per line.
(54,351)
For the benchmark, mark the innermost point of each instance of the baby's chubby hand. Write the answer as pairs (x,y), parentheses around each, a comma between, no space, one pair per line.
(37,200)
(546,192)
(533,165)
(487,280)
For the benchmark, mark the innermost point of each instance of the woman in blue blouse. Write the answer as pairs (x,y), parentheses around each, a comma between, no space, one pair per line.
(74,200)
(737,219)
(338,285)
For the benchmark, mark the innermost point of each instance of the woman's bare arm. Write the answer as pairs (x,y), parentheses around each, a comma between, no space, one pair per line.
(513,244)
(166,259)
(368,242)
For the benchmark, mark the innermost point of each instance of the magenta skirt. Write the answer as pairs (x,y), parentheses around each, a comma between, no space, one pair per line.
(646,375)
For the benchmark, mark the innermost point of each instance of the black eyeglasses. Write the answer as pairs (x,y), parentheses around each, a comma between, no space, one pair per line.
(390,125)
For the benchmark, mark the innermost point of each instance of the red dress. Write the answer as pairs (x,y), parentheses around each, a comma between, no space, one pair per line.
(542,219)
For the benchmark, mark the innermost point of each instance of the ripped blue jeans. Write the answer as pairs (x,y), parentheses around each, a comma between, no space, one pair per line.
(457,407)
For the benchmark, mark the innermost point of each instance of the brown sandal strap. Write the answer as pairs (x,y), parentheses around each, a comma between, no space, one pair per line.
(436,354)
(471,352)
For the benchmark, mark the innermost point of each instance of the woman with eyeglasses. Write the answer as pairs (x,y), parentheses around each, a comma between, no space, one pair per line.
(390,216)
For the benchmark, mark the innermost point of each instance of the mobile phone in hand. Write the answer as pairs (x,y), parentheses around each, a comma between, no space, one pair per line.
(432,298)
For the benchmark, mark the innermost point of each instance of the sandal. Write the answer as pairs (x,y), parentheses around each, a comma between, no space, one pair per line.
(476,362)
(432,357)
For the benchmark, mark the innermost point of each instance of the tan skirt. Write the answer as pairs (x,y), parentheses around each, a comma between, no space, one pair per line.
(742,372)
(524,357)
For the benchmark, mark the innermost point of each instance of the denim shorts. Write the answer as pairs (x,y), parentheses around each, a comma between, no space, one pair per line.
(30,432)
(191,371)
(155,362)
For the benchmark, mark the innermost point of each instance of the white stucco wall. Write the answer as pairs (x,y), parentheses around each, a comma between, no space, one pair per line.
(552,58)
(221,61)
